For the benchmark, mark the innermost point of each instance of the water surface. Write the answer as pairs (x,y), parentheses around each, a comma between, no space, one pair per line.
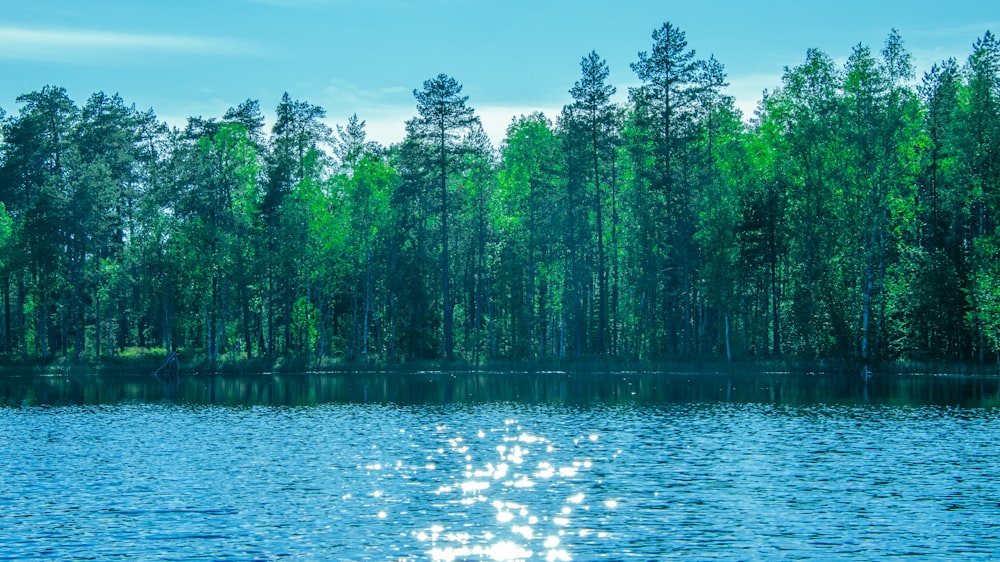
(388,467)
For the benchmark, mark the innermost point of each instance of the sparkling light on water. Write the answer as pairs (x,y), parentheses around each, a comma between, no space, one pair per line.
(520,514)
(347,482)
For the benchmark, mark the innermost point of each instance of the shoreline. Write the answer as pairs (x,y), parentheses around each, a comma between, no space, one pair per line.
(151,362)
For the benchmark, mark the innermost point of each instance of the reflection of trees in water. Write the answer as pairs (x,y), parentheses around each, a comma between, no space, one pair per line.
(556,388)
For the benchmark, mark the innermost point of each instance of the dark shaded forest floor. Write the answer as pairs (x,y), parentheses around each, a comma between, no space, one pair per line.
(148,361)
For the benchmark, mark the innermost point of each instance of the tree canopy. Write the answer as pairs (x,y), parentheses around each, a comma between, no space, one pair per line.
(853,217)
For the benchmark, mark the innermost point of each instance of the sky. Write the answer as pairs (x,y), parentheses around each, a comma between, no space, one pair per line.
(185,58)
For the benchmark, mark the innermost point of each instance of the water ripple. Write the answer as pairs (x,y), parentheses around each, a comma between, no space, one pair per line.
(499,481)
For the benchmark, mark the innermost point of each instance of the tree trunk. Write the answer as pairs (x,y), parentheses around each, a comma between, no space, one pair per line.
(7,340)
(368,304)
(167,343)
(449,335)
(729,347)
(602,315)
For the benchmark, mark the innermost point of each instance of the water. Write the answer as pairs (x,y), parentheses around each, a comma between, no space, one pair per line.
(557,467)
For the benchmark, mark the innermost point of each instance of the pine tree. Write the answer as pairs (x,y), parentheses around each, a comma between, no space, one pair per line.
(440,127)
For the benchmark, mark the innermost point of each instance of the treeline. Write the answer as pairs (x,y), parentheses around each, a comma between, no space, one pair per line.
(855,215)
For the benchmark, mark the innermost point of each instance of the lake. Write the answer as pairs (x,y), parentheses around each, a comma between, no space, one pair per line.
(500,466)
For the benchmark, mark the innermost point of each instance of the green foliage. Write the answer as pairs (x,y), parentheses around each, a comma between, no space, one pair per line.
(985,294)
(854,217)
(6,227)
(439,133)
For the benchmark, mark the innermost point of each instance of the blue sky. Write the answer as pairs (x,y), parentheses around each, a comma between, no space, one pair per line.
(199,57)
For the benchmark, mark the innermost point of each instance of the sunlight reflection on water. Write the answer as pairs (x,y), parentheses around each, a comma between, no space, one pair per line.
(499,481)
(522,528)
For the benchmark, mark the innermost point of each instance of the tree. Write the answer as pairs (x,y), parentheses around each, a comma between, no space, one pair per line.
(855,216)
(34,178)
(248,115)
(939,93)
(761,236)
(593,109)
(440,128)
(981,144)
(474,242)
(666,106)
(351,144)
(806,112)
(295,158)
(720,171)
(528,221)
(106,161)
(6,230)
(882,142)
(364,185)
(214,201)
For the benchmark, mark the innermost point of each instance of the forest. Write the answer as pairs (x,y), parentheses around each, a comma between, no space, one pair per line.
(854,215)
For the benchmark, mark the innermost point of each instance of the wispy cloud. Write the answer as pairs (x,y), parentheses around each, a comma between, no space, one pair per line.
(387,124)
(347,93)
(73,44)
(385,109)
(497,118)
(748,90)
